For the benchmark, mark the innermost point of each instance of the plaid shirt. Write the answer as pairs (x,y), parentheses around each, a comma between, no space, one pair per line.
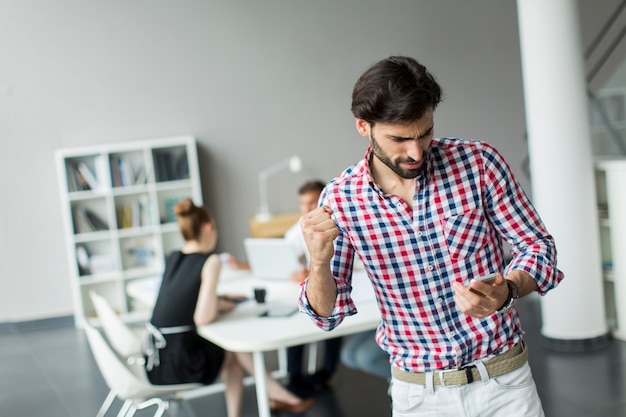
(466,202)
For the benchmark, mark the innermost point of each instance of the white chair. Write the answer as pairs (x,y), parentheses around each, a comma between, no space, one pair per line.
(123,340)
(130,382)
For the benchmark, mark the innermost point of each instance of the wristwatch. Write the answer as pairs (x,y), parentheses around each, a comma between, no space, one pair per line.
(513,297)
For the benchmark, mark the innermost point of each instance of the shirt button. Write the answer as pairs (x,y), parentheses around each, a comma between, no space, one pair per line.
(430,267)
(440,301)
(419,234)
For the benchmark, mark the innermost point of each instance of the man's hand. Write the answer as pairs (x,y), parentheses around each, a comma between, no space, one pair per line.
(319,231)
(481,299)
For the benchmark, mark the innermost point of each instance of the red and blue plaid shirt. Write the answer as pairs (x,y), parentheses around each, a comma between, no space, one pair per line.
(466,203)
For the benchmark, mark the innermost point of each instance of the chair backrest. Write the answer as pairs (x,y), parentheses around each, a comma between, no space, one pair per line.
(125,342)
(128,382)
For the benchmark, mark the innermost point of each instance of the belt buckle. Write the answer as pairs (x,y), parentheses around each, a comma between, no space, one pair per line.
(442,381)
(468,375)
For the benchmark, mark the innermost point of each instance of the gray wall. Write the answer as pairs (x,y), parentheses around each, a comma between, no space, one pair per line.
(254,81)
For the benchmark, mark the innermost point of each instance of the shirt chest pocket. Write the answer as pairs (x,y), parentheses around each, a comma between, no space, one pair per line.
(465,232)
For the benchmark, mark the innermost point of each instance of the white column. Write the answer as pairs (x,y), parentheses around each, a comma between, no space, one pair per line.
(561,163)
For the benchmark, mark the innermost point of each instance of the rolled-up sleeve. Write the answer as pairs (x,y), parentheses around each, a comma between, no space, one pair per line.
(515,218)
(341,268)
(344,306)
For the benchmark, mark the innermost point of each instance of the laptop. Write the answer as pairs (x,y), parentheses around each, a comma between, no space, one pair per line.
(271,258)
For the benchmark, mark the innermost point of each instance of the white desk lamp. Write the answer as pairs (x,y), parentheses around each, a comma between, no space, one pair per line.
(294,164)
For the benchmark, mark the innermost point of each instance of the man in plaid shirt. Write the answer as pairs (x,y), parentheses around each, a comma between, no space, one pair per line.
(427,217)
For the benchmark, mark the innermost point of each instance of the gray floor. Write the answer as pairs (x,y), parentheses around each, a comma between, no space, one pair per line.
(50,372)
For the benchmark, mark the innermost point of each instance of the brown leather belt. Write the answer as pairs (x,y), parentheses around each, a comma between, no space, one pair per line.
(504,363)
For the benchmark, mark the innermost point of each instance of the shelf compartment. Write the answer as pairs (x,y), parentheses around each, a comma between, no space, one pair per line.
(139,253)
(167,199)
(129,169)
(170,163)
(85,173)
(112,291)
(134,210)
(95,258)
(89,216)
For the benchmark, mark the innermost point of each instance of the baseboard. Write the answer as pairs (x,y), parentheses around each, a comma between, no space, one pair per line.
(41,324)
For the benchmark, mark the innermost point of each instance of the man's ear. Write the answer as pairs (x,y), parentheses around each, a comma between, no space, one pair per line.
(363,127)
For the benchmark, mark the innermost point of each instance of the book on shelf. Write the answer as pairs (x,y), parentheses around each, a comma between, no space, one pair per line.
(124,174)
(86,220)
(77,180)
(115,172)
(90,264)
(135,213)
(88,176)
(141,176)
(82,258)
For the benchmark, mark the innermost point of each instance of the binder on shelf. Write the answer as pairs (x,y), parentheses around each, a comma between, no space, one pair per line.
(136,213)
(124,175)
(88,176)
(126,171)
(77,179)
(72,181)
(86,221)
(82,258)
(140,176)
(182,167)
(115,172)
(170,167)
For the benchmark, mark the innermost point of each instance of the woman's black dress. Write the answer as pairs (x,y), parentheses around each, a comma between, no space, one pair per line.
(187,357)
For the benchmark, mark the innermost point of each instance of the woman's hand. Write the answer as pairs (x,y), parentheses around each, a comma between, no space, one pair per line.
(226,303)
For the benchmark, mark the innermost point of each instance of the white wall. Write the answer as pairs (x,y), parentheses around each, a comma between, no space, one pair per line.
(253,81)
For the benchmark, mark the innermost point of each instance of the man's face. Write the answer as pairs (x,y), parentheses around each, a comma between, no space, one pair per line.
(308,201)
(400,147)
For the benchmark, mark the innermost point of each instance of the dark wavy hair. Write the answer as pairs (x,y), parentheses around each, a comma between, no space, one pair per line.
(395,90)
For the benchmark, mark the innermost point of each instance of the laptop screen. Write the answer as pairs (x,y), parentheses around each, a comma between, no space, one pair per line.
(271,258)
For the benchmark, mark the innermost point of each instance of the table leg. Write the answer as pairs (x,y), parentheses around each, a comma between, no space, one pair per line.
(261,385)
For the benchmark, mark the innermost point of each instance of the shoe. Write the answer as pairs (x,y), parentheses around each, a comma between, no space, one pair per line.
(298,408)
(317,382)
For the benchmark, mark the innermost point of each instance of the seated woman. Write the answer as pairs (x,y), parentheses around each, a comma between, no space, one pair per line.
(175,352)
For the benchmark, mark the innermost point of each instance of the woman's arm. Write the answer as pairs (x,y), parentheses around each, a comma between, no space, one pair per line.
(207,307)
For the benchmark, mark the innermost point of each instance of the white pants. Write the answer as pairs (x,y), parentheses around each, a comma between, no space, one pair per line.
(512,394)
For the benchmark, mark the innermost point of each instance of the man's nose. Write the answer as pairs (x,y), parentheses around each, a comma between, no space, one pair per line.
(415,151)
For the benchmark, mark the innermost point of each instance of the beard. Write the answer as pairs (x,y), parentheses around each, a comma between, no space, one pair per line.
(407,174)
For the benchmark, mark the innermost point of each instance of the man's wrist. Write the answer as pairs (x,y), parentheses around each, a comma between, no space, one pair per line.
(512,298)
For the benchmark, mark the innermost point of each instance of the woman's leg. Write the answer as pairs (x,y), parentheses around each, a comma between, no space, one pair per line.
(275,390)
(232,374)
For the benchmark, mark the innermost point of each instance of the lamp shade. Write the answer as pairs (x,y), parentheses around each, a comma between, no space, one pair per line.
(293,163)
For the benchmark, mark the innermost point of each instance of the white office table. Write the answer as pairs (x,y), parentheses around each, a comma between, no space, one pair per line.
(243,330)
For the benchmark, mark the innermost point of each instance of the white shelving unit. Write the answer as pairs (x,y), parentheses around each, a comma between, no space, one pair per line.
(117,210)
(611,189)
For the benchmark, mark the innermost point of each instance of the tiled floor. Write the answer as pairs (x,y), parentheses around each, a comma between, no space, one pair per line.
(50,372)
